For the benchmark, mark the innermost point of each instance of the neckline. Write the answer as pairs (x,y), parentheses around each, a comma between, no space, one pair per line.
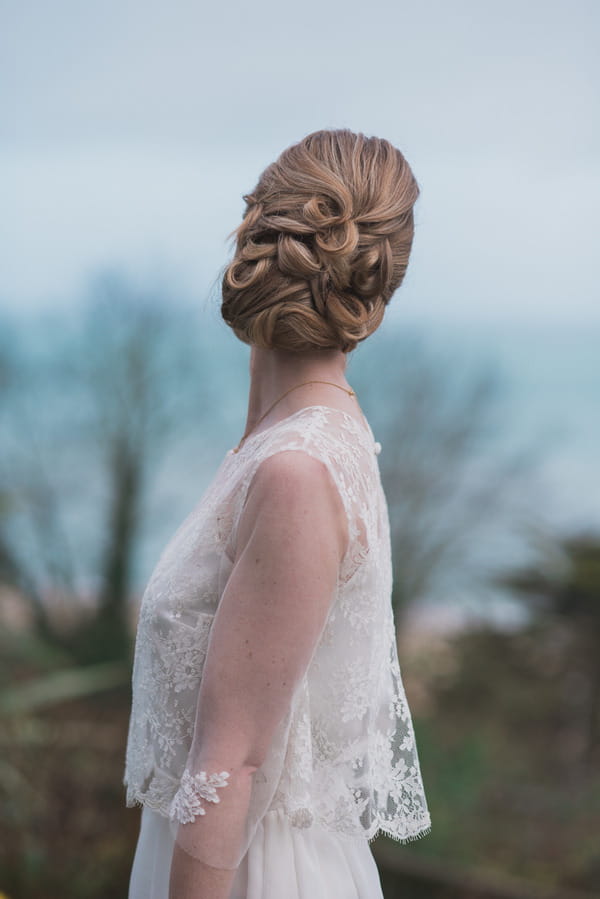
(365,431)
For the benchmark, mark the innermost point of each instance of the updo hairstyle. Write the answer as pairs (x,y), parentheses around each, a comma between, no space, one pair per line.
(324,243)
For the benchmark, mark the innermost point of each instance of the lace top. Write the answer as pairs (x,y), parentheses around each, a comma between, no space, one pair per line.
(338,746)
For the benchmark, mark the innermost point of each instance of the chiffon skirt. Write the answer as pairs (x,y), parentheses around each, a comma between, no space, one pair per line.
(282,862)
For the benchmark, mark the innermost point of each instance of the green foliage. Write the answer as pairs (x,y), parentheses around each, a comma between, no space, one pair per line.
(501,748)
(568,585)
(55,688)
(567,589)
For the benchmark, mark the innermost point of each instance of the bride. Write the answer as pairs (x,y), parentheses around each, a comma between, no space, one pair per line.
(270,738)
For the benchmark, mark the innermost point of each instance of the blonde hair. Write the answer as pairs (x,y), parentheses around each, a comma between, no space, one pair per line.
(324,243)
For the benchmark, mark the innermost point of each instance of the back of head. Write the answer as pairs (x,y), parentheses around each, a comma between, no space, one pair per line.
(323,244)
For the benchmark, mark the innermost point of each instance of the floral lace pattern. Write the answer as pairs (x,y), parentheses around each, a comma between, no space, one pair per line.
(347,756)
(187,802)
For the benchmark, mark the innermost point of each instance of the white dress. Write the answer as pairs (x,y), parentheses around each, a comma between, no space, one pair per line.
(282,862)
(331,724)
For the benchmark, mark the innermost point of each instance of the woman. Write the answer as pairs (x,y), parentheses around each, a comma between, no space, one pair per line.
(270,738)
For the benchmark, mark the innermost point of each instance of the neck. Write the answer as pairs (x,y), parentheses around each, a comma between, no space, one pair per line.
(272,372)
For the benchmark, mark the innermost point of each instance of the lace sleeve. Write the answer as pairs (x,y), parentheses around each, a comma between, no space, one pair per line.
(291,536)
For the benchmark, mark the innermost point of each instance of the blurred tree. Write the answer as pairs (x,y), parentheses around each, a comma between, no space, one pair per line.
(446,475)
(14,571)
(112,387)
(142,378)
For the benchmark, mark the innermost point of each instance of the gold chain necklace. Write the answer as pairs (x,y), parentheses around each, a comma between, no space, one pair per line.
(345,389)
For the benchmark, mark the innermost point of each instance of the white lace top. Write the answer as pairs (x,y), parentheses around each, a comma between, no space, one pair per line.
(341,751)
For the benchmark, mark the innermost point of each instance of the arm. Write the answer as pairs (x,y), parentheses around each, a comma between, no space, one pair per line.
(291,538)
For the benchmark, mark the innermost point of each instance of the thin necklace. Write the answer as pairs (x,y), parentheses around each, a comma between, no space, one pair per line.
(345,389)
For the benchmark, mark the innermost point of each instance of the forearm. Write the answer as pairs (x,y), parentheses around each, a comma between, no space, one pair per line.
(269,620)
(208,850)
(193,879)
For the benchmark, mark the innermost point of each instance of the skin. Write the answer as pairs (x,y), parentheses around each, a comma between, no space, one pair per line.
(280,553)
(192,879)
(272,372)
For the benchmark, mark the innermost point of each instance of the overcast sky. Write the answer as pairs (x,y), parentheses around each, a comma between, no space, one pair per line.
(129,130)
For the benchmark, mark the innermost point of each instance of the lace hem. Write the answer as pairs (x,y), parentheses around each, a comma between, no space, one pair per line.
(400,830)
(400,835)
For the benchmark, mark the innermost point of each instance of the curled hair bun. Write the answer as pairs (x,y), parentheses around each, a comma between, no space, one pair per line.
(324,243)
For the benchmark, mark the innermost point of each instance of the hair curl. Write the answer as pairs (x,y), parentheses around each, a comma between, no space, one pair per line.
(324,243)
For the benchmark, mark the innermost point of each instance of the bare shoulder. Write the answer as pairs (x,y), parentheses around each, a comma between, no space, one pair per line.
(293,492)
(292,475)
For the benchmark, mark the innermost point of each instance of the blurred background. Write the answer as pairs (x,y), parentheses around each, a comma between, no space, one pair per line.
(129,133)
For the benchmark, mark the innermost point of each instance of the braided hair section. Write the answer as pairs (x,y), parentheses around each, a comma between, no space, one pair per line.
(324,243)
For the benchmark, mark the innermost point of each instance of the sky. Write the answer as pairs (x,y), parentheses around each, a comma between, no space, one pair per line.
(130,130)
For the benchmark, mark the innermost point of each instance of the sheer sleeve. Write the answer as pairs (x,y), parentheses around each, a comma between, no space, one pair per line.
(291,537)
